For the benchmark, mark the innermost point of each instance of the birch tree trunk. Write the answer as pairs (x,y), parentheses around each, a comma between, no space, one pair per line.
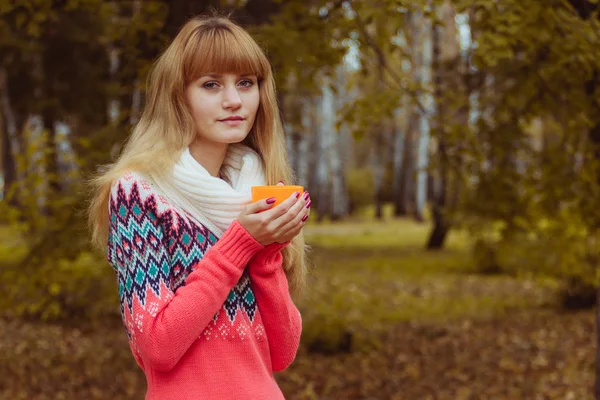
(312,159)
(441,224)
(423,68)
(399,160)
(438,203)
(292,143)
(377,156)
(322,163)
(306,137)
(408,178)
(461,78)
(331,190)
(377,162)
(338,148)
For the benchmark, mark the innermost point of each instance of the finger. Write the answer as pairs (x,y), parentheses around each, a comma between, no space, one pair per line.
(308,204)
(292,233)
(293,211)
(298,220)
(282,208)
(280,183)
(260,205)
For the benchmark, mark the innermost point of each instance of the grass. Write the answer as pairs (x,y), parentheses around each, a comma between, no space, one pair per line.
(364,231)
(369,273)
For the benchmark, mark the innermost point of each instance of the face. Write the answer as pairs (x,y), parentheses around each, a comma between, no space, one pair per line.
(223,107)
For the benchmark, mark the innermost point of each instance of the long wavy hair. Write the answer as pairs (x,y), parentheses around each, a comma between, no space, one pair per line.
(166,126)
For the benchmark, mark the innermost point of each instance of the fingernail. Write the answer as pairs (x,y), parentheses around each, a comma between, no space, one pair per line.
(271,200)
(304,218)
(297,194)
(308,204)
(280,182)
(306,195)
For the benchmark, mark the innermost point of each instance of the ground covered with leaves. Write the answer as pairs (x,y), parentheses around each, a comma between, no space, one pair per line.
(383,319)
(527,355)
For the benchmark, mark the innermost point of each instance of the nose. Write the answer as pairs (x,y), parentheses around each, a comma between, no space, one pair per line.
(231,98)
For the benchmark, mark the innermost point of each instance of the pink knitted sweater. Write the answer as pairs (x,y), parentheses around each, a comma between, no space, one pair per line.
(206,318)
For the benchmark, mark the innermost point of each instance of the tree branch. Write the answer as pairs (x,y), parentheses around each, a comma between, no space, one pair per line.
(383,63)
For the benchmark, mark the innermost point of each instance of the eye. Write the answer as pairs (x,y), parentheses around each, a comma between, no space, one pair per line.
(246,83)
(210,85)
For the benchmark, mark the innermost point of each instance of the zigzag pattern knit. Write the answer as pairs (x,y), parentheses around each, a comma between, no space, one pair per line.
(206,317)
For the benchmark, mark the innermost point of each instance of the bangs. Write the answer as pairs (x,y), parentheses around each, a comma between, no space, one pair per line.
(218,49)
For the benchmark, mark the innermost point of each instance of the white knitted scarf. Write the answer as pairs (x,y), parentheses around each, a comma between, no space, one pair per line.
(212,201)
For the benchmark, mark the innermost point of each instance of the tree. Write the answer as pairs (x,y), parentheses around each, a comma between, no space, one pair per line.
(446,83)
(536,187)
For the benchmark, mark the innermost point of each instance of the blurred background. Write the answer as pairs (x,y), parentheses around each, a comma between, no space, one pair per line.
(451,151)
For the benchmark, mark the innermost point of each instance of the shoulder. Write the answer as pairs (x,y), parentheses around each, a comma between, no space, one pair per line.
(134,218)
(131,183)
(135,191)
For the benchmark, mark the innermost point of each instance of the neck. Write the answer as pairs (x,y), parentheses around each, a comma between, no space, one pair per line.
(209,155)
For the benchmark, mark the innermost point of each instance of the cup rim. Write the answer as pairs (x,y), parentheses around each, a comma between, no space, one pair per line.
(278,187)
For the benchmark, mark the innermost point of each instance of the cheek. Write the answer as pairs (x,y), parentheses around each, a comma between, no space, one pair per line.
(201,110)
(253,101)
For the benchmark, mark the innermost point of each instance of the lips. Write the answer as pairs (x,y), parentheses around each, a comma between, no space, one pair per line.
(234,118)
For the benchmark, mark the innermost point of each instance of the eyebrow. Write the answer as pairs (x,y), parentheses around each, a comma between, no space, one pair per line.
(212,75)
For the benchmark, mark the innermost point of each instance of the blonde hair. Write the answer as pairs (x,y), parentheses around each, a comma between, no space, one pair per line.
(203,45)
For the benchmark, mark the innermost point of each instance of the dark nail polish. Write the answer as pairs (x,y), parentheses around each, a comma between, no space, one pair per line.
(297,194)
(305,218)
(306,195)
(281,182)
(308,204)
(271,200)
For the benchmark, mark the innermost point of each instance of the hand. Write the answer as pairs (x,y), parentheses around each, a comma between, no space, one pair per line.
(278,224)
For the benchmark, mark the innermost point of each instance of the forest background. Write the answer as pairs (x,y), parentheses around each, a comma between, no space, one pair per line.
(452,152)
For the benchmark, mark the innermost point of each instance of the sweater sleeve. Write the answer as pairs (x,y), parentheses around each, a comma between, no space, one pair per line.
(281,318)
(162,324)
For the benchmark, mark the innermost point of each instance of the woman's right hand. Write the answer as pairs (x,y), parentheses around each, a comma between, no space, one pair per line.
(277,224)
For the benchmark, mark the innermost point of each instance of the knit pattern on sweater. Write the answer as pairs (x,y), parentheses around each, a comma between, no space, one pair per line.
(146,263)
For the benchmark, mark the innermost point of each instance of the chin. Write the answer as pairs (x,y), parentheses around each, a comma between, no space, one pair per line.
(231,139)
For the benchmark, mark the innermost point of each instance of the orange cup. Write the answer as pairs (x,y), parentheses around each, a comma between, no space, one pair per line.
(280,193)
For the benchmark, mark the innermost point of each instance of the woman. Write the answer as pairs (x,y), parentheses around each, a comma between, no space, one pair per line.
(204,275)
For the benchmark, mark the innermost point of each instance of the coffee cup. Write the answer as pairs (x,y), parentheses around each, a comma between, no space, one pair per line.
(279,192)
